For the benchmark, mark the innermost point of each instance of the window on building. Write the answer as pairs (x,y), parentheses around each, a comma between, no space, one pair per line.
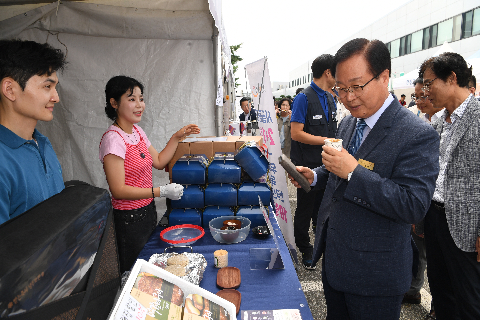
(433,35)
(426,38)
(395,46)
(476,22)
(416,42)
(467,24)
(408,42)
(445,29)
(457,27)
(388,47)
(402,46)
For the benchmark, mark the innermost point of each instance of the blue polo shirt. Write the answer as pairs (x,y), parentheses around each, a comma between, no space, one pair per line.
(29,174)
(300,104)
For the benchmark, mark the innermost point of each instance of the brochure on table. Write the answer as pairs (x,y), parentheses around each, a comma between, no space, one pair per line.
(132,303)
(281,314)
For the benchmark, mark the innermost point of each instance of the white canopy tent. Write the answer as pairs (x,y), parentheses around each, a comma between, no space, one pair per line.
(174,47)
(406,81)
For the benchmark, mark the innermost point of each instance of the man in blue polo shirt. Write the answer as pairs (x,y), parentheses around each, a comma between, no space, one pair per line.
(313,120)
(29,169)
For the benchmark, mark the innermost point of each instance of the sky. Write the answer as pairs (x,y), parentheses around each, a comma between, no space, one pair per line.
(291,32)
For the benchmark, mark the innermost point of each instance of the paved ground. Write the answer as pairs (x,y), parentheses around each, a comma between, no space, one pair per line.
(313,289)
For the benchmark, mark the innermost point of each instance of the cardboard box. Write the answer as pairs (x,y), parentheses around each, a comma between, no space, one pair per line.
(202,147)
(209,148)
(257,139)
(224,146)
(242,140)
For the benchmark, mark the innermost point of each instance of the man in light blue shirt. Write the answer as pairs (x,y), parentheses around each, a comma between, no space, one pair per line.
(29,169)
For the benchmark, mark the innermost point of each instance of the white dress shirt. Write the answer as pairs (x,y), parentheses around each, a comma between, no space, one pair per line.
(370,121)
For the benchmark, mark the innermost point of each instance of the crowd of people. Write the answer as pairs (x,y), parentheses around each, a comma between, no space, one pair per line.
(401,195)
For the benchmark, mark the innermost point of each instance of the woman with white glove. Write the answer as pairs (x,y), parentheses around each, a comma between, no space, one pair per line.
(128,157)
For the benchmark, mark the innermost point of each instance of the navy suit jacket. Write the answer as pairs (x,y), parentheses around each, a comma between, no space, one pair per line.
(364,224)
(253,116)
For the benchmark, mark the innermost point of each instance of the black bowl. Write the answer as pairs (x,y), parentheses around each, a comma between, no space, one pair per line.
(261,232)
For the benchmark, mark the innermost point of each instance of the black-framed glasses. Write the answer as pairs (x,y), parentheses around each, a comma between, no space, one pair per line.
(356,89)
(426,86)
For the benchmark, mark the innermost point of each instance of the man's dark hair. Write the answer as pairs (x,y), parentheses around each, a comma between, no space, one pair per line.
(115,88)
(417,81)
(473,82)
(244,99)
(403,95)
(21,60)
(445,64)
(375,52)
(320,64)
(298,91)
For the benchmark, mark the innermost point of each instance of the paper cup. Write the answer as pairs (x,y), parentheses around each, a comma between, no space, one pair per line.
(221,258)
(334,143)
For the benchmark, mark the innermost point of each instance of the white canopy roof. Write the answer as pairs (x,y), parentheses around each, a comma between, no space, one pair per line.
(168,45)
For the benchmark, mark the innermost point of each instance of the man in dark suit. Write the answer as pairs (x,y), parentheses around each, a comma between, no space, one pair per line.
(374,191)
(452,224)
(248,113)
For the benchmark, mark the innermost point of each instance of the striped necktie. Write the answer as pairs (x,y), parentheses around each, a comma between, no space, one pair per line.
(357,137)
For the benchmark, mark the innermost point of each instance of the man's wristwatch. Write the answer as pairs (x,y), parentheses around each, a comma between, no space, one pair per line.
(349,176)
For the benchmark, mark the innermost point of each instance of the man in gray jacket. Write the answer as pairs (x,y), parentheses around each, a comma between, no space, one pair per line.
(452,224)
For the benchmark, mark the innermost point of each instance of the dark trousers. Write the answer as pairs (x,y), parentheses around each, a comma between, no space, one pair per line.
(307,210)
(453,275)
(419,278)
(347,306)
(133,228)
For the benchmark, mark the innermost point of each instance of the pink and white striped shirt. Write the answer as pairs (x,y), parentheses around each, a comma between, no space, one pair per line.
(138,169)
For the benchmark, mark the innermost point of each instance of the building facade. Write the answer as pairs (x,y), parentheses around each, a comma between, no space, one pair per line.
(413,33)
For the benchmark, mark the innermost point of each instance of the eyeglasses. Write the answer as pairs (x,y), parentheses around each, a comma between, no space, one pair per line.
(356,90)
(426,86)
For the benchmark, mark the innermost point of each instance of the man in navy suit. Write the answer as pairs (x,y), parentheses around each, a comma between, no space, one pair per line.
(374,191)
(248,113)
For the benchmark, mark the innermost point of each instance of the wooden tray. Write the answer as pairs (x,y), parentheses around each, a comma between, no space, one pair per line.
(228,278)
(231,295)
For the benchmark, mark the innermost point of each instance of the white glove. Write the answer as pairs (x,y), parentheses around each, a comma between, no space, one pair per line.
(172,191)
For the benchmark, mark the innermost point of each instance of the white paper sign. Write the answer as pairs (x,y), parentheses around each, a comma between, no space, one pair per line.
(259,79)
(131,309)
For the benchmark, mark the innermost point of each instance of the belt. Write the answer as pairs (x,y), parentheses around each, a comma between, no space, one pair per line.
(438,205)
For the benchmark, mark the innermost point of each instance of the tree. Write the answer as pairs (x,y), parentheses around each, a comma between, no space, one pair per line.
(235,59)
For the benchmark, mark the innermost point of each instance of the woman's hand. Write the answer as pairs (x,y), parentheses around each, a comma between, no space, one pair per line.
(186,131)
(172,191)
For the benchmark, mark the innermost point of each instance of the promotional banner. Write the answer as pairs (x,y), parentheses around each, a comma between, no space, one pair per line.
(262,100)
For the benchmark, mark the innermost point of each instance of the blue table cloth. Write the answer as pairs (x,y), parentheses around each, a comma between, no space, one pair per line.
(260,289)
